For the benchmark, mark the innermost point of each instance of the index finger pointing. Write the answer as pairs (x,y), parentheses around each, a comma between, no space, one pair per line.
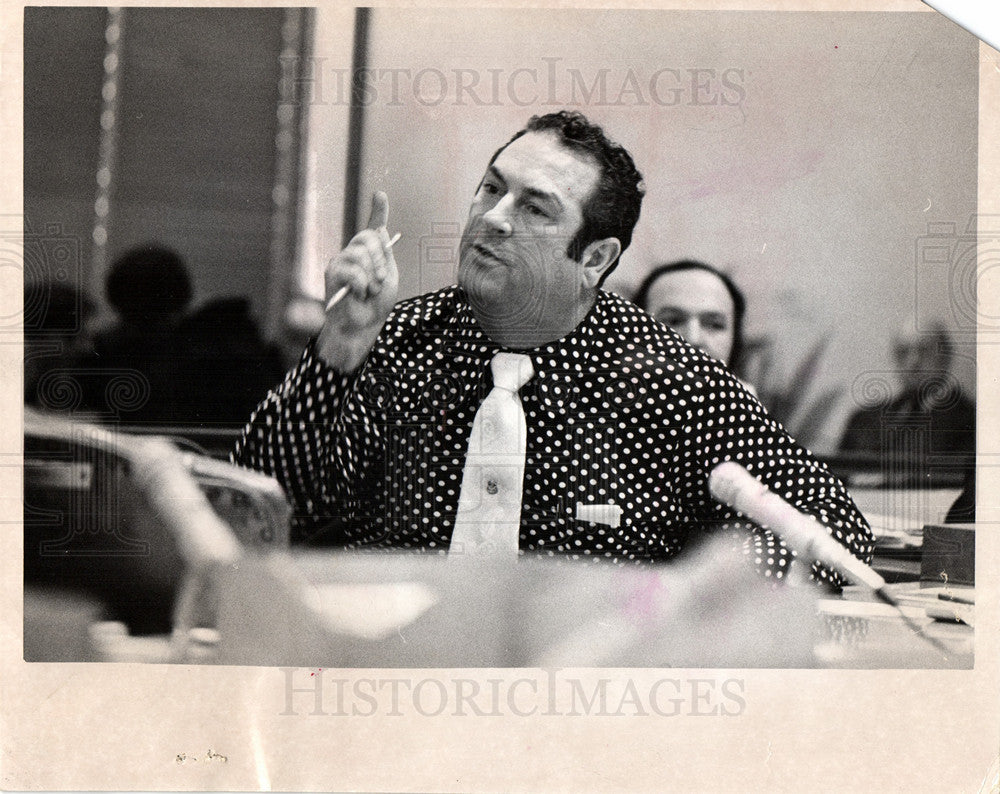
(380,210)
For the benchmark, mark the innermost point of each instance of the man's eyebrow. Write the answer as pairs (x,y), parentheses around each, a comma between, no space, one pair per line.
(531,192)
(492,171)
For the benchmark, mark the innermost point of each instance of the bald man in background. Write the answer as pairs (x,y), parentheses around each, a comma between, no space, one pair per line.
(930,405)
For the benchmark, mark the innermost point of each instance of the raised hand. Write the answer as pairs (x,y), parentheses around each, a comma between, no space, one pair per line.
(367,268)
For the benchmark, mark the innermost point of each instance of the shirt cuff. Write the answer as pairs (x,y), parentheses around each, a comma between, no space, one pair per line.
(312,372)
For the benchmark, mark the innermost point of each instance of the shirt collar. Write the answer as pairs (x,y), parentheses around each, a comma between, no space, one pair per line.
(558,364)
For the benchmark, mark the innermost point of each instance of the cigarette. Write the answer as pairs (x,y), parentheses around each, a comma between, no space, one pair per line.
(338,296)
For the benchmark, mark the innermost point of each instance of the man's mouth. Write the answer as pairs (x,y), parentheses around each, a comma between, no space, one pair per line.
(486,253)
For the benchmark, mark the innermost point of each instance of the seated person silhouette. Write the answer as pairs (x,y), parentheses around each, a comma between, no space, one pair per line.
(232,367)
(930,415)
(57,344)
(149,288)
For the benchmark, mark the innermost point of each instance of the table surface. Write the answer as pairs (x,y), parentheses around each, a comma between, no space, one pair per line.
(334,609)
(326,609)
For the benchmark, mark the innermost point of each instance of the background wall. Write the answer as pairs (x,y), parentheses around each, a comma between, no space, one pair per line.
(195,127)
(806,153)
(197,142)
(63,70)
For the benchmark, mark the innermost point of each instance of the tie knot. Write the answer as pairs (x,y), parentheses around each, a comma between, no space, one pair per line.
(511,371)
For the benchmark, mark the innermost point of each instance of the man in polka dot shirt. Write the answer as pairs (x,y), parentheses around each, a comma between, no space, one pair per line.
(625,420)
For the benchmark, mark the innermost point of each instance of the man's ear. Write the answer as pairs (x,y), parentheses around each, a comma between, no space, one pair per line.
(597,258)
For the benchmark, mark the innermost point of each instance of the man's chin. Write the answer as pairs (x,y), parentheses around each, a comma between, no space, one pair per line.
(480,292)
(481,280)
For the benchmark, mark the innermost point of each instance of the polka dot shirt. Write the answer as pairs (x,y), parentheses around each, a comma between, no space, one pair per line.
(620,412)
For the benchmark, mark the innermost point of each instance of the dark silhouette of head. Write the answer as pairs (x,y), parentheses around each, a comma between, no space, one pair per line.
(149,285)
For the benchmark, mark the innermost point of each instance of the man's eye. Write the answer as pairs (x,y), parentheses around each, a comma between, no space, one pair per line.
(715,324)
(534,209)
(489,187)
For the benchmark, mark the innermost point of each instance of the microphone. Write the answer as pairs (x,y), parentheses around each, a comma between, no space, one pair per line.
(733,485)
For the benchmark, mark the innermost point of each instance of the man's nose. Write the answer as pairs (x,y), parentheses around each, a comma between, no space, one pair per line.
(693,332)
(497,218)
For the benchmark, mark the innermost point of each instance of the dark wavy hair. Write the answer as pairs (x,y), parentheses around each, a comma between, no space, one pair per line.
(739,302)
(612,209)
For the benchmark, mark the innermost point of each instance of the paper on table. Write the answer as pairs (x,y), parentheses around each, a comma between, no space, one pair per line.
(888,532)
(866,609)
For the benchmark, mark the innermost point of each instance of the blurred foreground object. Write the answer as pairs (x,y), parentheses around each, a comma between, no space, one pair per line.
(402,610)
(121,522)
(389,609)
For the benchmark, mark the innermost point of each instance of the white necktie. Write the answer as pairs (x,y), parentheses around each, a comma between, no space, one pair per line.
(488,521)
